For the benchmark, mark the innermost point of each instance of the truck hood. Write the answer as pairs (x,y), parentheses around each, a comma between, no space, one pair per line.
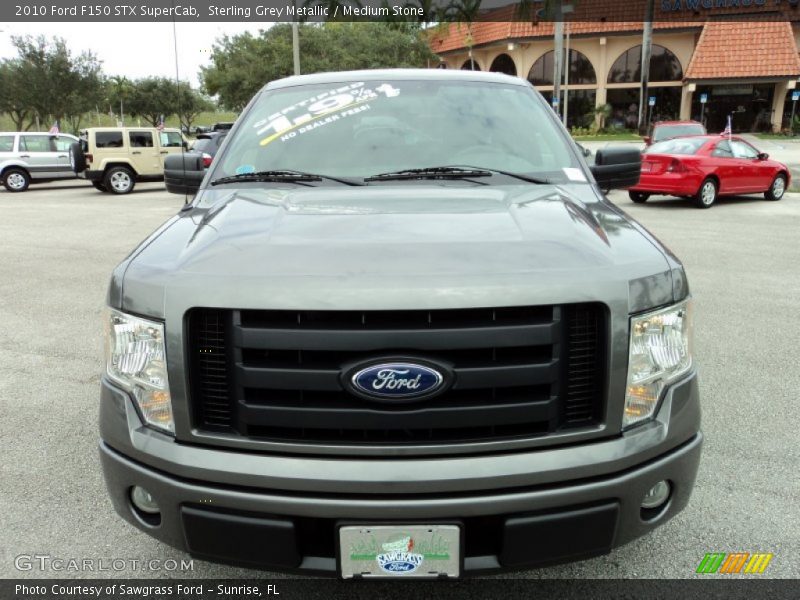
(396,247)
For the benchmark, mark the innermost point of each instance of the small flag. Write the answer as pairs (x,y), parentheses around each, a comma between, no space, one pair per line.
(161,123)
(728,128)
(54,129)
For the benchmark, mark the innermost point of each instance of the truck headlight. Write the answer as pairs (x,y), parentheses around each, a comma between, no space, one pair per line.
(136,360)
(660,352)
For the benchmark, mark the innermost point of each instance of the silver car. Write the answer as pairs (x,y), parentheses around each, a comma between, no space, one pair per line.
(28,156)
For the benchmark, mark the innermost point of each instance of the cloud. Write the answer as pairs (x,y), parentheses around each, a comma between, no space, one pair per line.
(135,49)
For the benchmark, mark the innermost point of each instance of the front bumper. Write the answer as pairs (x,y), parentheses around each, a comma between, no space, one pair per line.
(508,530)
(93,175)
(516,510)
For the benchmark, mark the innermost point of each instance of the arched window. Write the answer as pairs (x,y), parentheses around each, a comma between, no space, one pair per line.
(470,65)
(504,64)
(581,70)
(664,66)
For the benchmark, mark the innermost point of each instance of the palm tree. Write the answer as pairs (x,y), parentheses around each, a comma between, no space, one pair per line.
(464,11)
(601,113)
(119,89)
(530,10)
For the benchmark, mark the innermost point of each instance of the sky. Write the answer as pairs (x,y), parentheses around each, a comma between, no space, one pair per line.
(134,49)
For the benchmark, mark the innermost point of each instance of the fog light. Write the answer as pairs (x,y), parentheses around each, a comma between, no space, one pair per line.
(656,495)
(142,500)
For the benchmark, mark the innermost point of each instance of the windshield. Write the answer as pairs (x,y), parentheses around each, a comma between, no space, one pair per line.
(668,131)
(365,128)
(677,146)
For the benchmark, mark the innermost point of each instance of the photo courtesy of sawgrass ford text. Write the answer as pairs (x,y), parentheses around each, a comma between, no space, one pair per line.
(132,590)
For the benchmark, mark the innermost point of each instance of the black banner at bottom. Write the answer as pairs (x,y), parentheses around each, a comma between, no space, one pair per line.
(332,589)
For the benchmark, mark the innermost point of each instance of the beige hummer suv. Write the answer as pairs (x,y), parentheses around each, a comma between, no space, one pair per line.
(115,158)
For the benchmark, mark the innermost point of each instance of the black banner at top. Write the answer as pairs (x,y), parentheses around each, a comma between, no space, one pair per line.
(417,11)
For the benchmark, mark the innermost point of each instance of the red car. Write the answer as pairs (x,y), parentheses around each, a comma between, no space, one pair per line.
(664,130)
(702,167)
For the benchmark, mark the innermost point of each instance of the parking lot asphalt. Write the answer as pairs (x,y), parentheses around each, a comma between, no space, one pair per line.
(59,243)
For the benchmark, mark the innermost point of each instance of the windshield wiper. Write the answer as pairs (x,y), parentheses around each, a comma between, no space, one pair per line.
(281,175)
(451,172)
(520,176)
(431,173)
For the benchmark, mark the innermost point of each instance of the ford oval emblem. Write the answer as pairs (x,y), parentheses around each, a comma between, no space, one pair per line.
(397,381)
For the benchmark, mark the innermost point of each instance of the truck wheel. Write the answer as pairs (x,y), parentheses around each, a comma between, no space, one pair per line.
(707,194)
(77,159)
(99,186)
(16,180)
(638,197)
(777,189)
(119,180)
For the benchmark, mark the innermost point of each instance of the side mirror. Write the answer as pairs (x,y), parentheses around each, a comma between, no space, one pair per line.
(183,173)
(763,156)
(647,140)
(185,144)
(617,168)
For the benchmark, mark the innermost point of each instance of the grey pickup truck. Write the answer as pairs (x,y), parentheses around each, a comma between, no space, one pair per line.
(399,331)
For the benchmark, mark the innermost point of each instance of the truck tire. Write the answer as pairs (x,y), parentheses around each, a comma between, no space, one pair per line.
(77,159)
(16,180)
(638,197)
(119,180)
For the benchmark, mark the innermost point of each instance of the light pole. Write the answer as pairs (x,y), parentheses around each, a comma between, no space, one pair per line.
(565,64)
(558,55)
(295,40)
(566,77)
(647,42)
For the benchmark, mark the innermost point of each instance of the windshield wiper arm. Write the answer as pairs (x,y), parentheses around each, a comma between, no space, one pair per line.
(431,173)
(281,175)
(452,172)
(520,176)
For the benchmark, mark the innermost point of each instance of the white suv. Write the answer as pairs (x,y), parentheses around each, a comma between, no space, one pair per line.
(29,156)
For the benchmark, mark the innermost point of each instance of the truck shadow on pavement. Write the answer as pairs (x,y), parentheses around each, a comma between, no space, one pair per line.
(78,186)
(671,202)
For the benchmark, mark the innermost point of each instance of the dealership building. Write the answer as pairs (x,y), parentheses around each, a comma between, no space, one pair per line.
(709,66)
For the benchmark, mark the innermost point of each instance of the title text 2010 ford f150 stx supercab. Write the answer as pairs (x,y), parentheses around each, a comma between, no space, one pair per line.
(399,332)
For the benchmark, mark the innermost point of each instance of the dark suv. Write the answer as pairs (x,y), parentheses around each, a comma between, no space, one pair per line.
(208,144)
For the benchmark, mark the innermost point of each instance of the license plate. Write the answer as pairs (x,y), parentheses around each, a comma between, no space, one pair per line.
(410,551)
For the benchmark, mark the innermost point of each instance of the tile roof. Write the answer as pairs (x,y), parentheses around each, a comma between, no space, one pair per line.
(770,41)
(453,36)
(729,49)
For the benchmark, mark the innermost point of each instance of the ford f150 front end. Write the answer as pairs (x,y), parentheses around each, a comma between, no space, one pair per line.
(399,332)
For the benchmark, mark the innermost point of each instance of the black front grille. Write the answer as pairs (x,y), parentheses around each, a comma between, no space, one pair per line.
(275,375)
